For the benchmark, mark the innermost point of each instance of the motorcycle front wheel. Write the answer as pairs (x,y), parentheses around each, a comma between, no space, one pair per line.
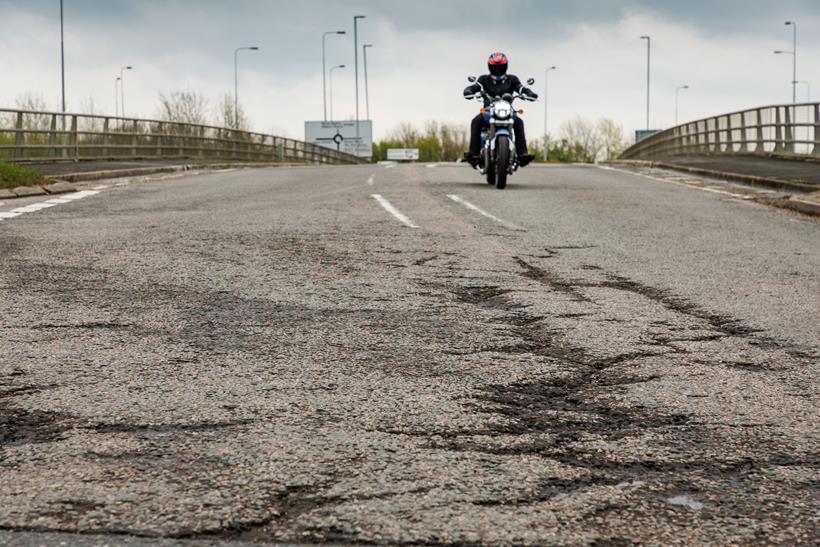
(502,161)
(489,170)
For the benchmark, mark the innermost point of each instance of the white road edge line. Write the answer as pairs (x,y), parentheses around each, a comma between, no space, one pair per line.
(393,211)
(482,212)
(34,207)
(712,190)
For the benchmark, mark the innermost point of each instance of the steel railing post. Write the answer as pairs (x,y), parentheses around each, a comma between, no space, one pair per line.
(52,137)
(75,141)
(106,139)
(816,139)
(778,131)
(789,130)
(134,129)
(19,137)
(744,140)
(760,145)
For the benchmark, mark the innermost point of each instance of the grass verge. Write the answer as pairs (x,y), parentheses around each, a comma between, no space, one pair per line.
(12,175)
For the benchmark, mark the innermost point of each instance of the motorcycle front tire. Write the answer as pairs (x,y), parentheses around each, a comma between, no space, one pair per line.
(489,170)
(502,161)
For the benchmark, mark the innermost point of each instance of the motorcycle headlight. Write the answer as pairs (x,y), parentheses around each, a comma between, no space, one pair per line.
(502,112)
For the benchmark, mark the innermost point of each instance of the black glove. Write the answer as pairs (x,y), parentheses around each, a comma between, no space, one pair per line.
(529,93)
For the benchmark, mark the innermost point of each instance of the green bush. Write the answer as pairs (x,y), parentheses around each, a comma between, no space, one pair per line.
(18,175)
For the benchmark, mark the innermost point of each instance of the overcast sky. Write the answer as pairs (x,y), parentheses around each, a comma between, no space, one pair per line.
(423,51)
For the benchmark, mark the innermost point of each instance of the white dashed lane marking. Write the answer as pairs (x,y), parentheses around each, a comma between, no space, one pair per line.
(484,213)
(34,207)
(393,211)
(371,180)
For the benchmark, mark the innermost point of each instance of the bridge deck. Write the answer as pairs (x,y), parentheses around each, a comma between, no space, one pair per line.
(788,170)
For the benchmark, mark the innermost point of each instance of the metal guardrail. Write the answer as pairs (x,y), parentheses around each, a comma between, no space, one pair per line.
(32,136)
(781,130)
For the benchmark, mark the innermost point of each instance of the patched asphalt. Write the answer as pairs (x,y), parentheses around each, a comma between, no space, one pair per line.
(269,356)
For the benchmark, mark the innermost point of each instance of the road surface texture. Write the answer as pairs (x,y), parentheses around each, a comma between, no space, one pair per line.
(276,355)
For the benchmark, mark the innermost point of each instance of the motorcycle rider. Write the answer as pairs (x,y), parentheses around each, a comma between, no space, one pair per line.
(496,84)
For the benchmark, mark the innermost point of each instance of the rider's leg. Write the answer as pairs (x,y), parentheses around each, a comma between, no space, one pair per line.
(524,158)
(520,137)
(475,135)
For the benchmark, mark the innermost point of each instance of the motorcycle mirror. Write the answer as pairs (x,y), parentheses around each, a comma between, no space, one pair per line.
(471,79)
(531,81)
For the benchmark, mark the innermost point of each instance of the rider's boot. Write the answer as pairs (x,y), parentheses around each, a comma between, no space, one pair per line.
(525,159)
(471,159)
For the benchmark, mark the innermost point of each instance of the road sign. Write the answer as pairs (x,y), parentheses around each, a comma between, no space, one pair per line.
(403,154)
(642,134)
(341,136)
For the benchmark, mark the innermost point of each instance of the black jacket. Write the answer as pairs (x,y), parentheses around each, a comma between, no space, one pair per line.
(508,85)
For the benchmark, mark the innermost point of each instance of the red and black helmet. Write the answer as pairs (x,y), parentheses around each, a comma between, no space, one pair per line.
(498,64)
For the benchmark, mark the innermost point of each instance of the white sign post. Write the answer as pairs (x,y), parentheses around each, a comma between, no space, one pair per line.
(403,154)
(341,136)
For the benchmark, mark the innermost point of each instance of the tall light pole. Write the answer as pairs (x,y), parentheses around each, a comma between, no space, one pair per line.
(331,89)
(546,91)
(366,91)
(793,53)
(324,69)
(356,60)
(677,101)
(648,73)
(122,88)
(236,82)
(62,59)
(116,96)
(793,24)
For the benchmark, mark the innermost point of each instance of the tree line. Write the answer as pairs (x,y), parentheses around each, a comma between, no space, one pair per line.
(578,140)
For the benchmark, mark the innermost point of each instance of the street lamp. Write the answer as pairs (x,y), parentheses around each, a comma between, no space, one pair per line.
(793,53)
(648,66)
(356,59)
(122,88)
(546,90)
(366,91)
(62,59)
(324,69)
(331,89)
(793,24)
(236,82)
(677,100)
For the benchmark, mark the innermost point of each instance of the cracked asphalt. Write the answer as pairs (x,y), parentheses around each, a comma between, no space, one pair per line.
(268,356)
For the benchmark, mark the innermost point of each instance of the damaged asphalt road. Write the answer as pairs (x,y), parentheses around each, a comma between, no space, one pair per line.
(269,356)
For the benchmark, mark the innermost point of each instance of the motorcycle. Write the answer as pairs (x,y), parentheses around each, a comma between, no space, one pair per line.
(497,159)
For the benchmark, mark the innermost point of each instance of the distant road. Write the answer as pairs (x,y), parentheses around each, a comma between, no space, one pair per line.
(407,355)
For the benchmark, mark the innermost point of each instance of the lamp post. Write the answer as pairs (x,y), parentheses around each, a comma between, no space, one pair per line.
(116,96)
(793,24)
(366,90)
(648,73)
(793,53)
(122,88)
(324,69)
(331,89)
(677,101)
(62,60)
(546,91)
(356,60)
(236,82)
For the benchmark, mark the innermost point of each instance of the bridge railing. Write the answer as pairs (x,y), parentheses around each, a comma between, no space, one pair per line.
(33,136)
(782,130)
